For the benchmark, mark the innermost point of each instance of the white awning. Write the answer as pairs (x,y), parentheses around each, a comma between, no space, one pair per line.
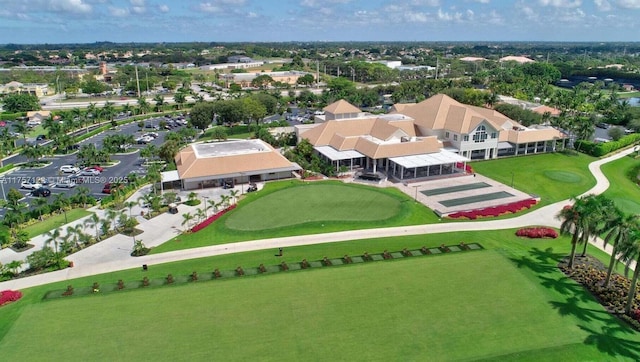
(503,145)
(429,159)
(335,155)
(168,176)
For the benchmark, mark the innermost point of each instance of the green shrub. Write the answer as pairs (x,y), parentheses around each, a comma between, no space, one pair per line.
(604,148)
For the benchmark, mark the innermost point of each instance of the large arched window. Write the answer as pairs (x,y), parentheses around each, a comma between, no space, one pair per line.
(481,134)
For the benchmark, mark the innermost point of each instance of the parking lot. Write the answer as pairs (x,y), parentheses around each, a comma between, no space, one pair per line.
(126,164)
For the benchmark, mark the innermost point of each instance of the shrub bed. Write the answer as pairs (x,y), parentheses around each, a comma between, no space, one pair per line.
(591,273)
(494,211)
(8,296)
(211,219)
(537,233)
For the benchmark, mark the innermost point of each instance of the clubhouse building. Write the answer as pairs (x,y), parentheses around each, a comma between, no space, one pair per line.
(433,138)
(212,164)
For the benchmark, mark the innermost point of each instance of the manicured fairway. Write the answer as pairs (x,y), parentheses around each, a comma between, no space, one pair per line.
(313,203)
(552,176)
(624,192)
(484,304)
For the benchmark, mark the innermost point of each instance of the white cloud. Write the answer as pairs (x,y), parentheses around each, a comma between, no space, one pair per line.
(163,8)
(137,2)
(118,12)
(561,3)
(70,6)
(445,16)
(629,4)
(432,3)
(219,6)
(416,17)
(482,1)
(602,5)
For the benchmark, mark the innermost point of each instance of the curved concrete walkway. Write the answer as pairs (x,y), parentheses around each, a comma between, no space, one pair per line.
(544,216)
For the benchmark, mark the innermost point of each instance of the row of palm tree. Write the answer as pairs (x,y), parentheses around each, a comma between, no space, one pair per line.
(201,214)
(593,215)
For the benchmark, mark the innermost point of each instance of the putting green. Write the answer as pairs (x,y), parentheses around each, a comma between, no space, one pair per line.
(563,176)
(314,203)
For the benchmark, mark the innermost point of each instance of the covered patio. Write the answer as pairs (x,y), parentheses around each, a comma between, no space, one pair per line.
(427,165)
(351,159)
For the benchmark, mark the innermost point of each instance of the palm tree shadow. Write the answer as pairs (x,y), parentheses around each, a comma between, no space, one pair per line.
(570,307)
(546,256)
(533,265)
(565,286)
(608,342)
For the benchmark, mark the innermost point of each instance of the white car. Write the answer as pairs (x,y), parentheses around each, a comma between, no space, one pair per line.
(29,185)
(89,172)
(69,169)
(65,184)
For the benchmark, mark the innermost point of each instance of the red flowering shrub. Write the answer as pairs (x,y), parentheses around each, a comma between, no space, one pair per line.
(636,314)
(211,219)
(8,296)
(494,210)
(537,233)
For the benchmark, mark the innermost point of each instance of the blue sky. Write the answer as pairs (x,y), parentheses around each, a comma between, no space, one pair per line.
(88,21)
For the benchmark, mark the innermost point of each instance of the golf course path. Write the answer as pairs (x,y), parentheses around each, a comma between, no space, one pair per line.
(544,216)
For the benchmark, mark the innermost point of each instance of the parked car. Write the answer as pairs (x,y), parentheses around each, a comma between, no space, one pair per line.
(30,185)
(41,137)
(41,192)
(89,172)
(69,169)
(151,126)
(109,187)
(65,184)
(95,167)
(144,140)
(151,134)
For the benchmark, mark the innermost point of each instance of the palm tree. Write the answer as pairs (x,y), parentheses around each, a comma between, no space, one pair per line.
(225,200)
(108,110)
(21,127)
(143,105)
(200,214)
(94,221)
(631,253)
(619,234)
(234,195)
(213,204)
(32,152)
(82,192)
(53,236)
(39,202)
(159,99)
(573,220)
(187,218)
(130,205)
(112,217)
(180,98)
(75,232)
(14,265)
(600,217)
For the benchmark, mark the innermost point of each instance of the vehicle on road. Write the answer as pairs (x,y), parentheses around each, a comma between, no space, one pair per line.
(69,169)
(95,167)
(30,185)
(65,184)
(89,172)
(41,192)
(602,125)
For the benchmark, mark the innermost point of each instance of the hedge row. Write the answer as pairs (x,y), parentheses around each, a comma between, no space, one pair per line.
(603,148)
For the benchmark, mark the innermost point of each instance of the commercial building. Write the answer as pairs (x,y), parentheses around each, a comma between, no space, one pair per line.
(212,164)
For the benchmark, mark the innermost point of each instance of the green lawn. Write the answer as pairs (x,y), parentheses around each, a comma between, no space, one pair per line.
(552,176)
(507,302)
(291,207)
(55,222)
(318,202)
(623,191)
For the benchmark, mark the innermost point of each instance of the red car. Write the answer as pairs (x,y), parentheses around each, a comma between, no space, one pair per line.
(108,187)
(3,123)
(95,167)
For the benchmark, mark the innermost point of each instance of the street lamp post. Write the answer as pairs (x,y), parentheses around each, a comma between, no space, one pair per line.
(205,198)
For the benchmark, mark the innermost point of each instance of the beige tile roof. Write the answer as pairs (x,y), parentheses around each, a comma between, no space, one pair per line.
(534,135)
(189,165)
(340,107)
(43,114)
(544,109)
